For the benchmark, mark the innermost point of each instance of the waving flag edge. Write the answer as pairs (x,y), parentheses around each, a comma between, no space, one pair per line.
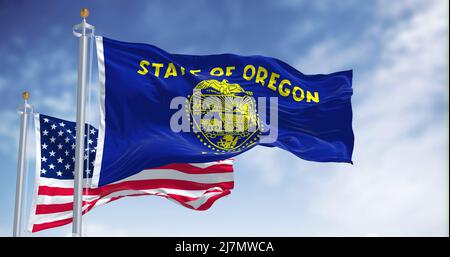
(101,128)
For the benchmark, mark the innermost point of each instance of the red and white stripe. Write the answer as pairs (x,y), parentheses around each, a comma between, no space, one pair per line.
(196,186)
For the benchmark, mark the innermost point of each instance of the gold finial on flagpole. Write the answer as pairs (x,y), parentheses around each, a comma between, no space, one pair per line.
(26,95)
(84,13)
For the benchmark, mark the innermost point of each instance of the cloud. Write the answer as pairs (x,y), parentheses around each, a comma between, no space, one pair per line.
(93,229)
(399,183)
(49,72)
(268,171)
(4,233)
(2,83)
(9,131)
(61,105)
(403,192)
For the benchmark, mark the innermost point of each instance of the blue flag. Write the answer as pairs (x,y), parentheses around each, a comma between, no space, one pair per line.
(159,108)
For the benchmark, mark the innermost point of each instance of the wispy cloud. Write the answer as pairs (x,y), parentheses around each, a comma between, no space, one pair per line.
(9,133)
(94,229)
(2,83)
(399,183)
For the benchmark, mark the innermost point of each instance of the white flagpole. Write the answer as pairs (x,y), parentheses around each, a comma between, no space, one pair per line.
(83,31)
(21,165)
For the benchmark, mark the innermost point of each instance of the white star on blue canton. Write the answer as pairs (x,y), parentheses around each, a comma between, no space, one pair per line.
(54,140)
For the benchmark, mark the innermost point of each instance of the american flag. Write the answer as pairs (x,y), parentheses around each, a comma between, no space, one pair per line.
(196,186)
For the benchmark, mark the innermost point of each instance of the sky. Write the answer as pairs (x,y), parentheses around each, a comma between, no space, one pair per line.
(398,50)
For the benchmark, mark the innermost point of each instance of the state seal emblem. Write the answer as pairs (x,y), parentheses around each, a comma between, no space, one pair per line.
(223,116)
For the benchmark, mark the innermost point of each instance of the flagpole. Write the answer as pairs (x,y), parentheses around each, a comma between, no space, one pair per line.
(83,31)
(21,164)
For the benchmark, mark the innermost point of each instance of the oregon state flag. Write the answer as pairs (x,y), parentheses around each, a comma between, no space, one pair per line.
(159,108)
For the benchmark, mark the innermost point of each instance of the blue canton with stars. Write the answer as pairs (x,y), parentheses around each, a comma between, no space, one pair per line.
(58,148)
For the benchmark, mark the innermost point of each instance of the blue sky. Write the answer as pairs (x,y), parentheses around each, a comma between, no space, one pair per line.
(398,51)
